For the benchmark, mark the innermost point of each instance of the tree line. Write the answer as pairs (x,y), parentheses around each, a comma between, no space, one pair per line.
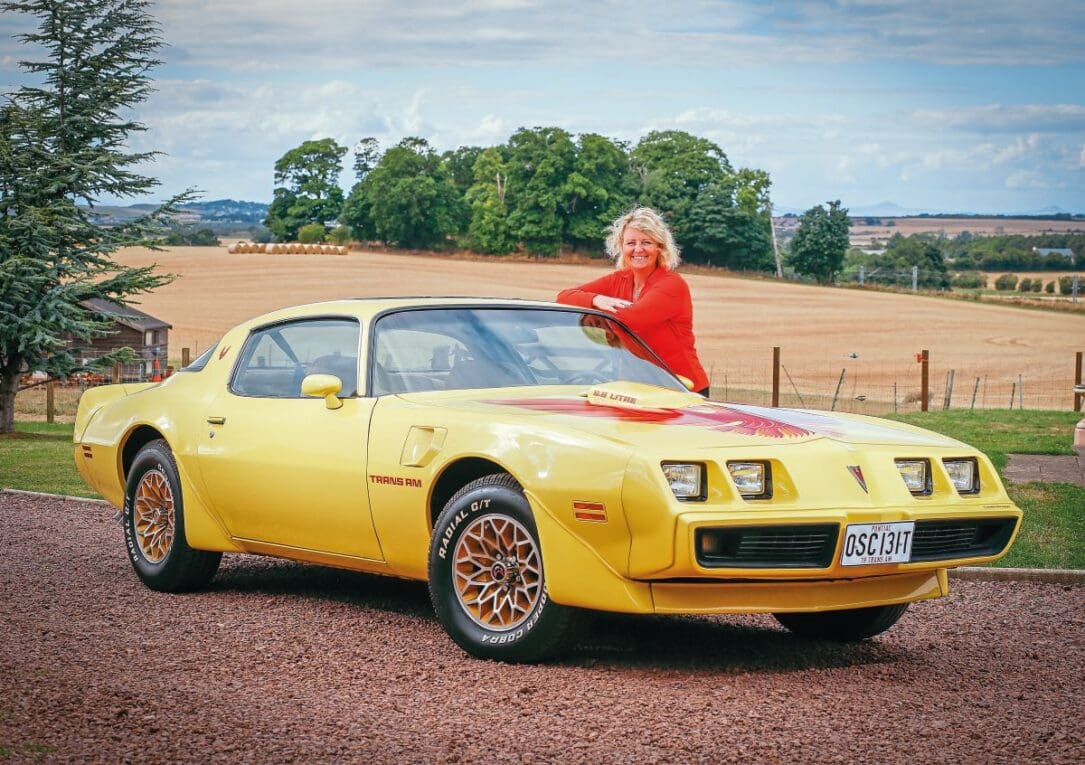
(542,192)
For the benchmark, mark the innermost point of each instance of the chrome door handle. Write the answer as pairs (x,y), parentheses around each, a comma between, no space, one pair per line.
(217,420)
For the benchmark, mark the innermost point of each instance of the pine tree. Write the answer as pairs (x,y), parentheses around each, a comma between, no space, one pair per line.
(62,148)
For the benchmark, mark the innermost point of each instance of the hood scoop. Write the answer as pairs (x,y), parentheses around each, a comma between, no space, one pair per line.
(641,397)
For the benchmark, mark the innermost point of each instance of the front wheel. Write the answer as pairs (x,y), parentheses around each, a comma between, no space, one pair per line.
(846,626)
(486,577)
(154,525)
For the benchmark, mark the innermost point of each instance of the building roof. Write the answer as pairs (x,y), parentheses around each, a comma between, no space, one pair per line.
(125,314)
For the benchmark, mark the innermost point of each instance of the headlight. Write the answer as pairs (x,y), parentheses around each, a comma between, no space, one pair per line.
(752,479)
(916,475)
(964,475)
(686,479)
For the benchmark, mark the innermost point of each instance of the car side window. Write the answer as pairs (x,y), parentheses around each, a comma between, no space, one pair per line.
(276,359)
(409,360)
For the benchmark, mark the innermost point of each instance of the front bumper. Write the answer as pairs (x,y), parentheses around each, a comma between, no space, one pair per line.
(806,545)
(706,597)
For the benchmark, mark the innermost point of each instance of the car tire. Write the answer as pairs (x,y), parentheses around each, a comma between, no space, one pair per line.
(486,577)
(846,626)
(154,525)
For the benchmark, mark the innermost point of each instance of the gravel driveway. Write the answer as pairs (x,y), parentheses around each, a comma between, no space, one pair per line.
(281,662)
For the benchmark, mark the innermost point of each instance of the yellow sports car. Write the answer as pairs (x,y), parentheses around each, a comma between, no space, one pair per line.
(528,460)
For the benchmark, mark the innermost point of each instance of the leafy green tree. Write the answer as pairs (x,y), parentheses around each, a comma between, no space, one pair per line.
(181,236)
(489,230)
(673,168)
(312,233)
(599,188)
(307,187)
(459,165)
(540,161)
(820,243)
(62,147)
(410,196)
(921,251)
(339,235)
(366,155)
(730,222)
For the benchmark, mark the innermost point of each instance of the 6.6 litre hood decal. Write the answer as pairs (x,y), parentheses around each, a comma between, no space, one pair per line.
(707,415)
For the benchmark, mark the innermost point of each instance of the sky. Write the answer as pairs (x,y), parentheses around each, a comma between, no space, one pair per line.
(956,106)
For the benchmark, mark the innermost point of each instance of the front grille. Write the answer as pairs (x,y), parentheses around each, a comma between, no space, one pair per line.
(942,540)
(806,546)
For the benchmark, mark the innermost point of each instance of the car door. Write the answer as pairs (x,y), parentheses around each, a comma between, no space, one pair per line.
(285,469)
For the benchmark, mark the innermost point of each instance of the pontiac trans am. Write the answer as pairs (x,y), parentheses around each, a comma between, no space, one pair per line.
(529,460)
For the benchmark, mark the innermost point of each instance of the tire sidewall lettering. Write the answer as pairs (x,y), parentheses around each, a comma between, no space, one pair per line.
(449,534)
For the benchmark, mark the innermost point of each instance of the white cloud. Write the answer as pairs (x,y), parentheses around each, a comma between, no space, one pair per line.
(1027,179)
(1006,118)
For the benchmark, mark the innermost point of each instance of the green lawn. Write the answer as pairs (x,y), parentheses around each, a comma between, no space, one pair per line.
(38,457)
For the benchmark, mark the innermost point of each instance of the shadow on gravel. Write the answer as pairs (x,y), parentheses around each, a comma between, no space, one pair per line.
(713,643)
(268,576)
(678,643)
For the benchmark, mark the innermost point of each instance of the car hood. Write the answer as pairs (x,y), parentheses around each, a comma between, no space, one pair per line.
(641,414)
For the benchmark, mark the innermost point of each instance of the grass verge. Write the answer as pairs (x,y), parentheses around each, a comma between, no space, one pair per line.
(38,457)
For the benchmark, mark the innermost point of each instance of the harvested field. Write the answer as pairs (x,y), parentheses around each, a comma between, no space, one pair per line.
(872,336)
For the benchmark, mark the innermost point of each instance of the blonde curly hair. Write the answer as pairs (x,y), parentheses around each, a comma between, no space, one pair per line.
(650,222)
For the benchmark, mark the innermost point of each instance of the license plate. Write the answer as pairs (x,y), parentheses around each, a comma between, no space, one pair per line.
(870,544)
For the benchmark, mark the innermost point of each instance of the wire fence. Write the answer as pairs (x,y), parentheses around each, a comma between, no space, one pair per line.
(851,384)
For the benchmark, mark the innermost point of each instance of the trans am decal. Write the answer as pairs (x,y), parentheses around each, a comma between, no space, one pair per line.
(714,416)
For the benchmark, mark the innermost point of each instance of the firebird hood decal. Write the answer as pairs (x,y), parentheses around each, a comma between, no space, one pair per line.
(707,415)
(732,418)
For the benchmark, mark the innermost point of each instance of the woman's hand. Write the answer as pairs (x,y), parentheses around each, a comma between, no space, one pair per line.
(608,303)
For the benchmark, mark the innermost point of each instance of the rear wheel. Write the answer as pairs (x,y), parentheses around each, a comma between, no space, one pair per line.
(154,525)
(845,626)
(486,577)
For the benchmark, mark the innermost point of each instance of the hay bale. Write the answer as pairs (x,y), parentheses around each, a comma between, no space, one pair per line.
(232,248)
(341,250)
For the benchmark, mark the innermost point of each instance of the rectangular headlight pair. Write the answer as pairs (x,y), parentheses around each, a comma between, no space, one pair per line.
(688,480)
(963,473)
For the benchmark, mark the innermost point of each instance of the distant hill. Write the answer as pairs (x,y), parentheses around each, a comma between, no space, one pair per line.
(229,211)
(215,213)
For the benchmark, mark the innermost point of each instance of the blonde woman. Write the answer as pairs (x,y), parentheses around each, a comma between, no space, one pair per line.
(645,293)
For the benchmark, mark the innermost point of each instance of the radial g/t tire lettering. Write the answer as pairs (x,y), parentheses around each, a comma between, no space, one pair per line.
(486,578)
(154,525)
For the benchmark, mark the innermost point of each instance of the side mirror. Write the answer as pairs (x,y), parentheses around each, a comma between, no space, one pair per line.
(323,385)
(685,381)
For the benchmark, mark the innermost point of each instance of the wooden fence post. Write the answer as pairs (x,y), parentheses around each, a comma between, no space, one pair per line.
(1077,382)
(924,380)
(776,375)
(185,357)
(50,401)
(116,373)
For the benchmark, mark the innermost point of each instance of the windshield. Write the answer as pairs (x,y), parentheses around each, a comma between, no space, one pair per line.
(460,348)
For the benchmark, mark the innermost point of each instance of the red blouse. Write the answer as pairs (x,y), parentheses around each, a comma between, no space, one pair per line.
(662,316)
